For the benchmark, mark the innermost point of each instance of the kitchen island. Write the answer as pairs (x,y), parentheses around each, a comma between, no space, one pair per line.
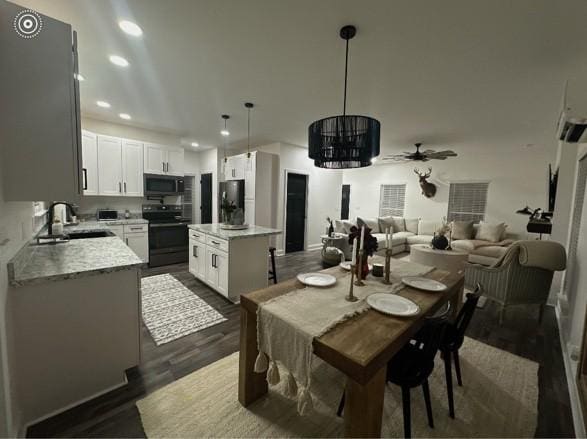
(231,262)
(75,322)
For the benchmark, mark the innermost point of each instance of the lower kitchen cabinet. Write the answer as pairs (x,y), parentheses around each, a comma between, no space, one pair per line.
(230,266)
(139,243)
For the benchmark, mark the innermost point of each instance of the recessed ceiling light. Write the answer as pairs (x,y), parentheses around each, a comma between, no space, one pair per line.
(118,60)
(80,77)
(130,28)
(103,104)
(124,116)
(195,144)
(225,133)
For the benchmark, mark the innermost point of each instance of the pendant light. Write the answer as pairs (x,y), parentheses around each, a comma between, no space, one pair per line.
(225,133)
(248,106)
(342,142)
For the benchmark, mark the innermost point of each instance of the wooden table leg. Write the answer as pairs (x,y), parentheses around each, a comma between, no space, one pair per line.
(251,385)
(456,302)
(363,408)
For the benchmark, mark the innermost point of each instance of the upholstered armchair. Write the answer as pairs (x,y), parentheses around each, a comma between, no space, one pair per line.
(523,275)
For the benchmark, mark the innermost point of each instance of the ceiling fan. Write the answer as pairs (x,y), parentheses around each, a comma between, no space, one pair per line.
(418,156)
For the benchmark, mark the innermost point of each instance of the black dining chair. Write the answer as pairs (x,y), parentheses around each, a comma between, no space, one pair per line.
(454,336)
(412,366)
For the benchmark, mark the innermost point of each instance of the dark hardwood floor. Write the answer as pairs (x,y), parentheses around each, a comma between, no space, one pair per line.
(115,414)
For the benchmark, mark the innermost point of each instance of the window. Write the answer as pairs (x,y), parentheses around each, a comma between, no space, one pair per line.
(188,197)
(392,200)
(467,201)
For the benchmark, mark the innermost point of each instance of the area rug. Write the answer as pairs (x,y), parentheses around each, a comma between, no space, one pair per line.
(171,311)
(499,399)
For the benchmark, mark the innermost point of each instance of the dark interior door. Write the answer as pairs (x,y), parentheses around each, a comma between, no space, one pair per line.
(295,227)
(346,199)
(206,198)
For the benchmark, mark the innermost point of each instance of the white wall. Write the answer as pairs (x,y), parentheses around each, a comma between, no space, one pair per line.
(516,180)
(17,225)
(324,191)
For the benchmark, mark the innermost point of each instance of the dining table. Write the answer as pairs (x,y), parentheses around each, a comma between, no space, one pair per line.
(359,347)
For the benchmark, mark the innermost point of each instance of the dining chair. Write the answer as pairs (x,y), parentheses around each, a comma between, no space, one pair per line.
(453,338)
(412,366)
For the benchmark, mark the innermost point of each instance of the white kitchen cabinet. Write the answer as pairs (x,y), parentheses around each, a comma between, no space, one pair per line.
(250,169)
(175,157)
(235,167)
(229,266)
(138,243)
(90,163)
(249,211)
(132,168)
(163,160)
(110,166)
(118,230)
(155,158)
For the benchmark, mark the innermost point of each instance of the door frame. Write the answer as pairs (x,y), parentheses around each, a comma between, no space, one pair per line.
(199,209)
(286,173)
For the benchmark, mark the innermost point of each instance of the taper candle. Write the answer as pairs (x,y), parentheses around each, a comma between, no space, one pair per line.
(354,254)
(362,238)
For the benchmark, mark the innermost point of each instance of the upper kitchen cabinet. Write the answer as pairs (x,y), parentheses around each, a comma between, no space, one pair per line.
(40,128)
(120,167)
(90,163)
(163,160)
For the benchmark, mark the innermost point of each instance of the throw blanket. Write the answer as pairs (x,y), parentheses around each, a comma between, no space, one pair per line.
(287,326)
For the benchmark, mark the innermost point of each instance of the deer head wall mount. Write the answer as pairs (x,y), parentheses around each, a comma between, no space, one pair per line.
(428,189)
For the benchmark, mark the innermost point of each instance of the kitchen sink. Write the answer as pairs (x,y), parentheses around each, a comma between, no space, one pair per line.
(90,234)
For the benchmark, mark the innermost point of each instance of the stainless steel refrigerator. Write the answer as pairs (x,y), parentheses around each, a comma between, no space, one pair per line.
(234,191)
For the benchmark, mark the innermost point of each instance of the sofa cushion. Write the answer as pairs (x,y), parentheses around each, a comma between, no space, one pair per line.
(412,224)
(427,227)
(462,230)
(490,251)
(465,245)
(343,226)
(385,222)
(371,223)
(403,235)
(490,232)
(419,239)
(396,239)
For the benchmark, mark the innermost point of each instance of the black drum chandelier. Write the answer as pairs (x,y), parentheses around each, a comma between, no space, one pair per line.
(347,141)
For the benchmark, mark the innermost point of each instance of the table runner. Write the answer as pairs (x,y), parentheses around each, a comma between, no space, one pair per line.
(287,325)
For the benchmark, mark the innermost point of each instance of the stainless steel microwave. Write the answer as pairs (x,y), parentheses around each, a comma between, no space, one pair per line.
(160,185)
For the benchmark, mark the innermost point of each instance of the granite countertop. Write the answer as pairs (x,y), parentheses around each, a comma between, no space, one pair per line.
(215,230)
(73,259)
(95,224)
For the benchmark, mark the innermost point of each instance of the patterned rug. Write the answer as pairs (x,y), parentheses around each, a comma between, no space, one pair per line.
(172,311)
(499,398)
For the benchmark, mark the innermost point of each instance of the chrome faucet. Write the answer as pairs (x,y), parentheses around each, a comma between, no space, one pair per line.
(51,214)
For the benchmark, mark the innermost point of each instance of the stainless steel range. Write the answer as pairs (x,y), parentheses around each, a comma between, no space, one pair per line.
(168,234)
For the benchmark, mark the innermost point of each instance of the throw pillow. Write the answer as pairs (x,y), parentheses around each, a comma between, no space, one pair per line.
(490,232)
(412,225)
(371,223)
(385,223)
(427,227)
(399,225)
(462,230)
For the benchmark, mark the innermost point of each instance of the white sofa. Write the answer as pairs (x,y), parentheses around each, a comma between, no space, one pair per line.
(410,231)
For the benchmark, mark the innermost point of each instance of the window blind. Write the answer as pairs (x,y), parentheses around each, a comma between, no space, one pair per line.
(467,201)
(392,200)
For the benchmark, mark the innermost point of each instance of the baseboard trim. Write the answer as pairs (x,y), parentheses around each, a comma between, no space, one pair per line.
(578,422)
(23,430)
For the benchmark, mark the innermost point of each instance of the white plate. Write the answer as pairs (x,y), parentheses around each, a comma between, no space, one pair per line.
(346,265)
(393,304)
(422,283)
(317,279)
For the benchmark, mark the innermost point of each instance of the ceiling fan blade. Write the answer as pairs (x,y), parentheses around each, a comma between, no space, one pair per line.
(428,151)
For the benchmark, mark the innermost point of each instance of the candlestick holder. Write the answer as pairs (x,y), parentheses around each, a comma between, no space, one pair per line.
(386,279)
(351,297)
(359,282)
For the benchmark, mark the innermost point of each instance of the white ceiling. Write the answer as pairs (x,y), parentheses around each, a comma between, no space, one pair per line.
(459,73)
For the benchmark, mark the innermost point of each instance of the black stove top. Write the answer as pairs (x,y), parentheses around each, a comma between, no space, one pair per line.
(164,214)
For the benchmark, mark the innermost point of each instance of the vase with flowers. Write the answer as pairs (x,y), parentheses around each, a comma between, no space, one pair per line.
(369,248)
(440,241)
